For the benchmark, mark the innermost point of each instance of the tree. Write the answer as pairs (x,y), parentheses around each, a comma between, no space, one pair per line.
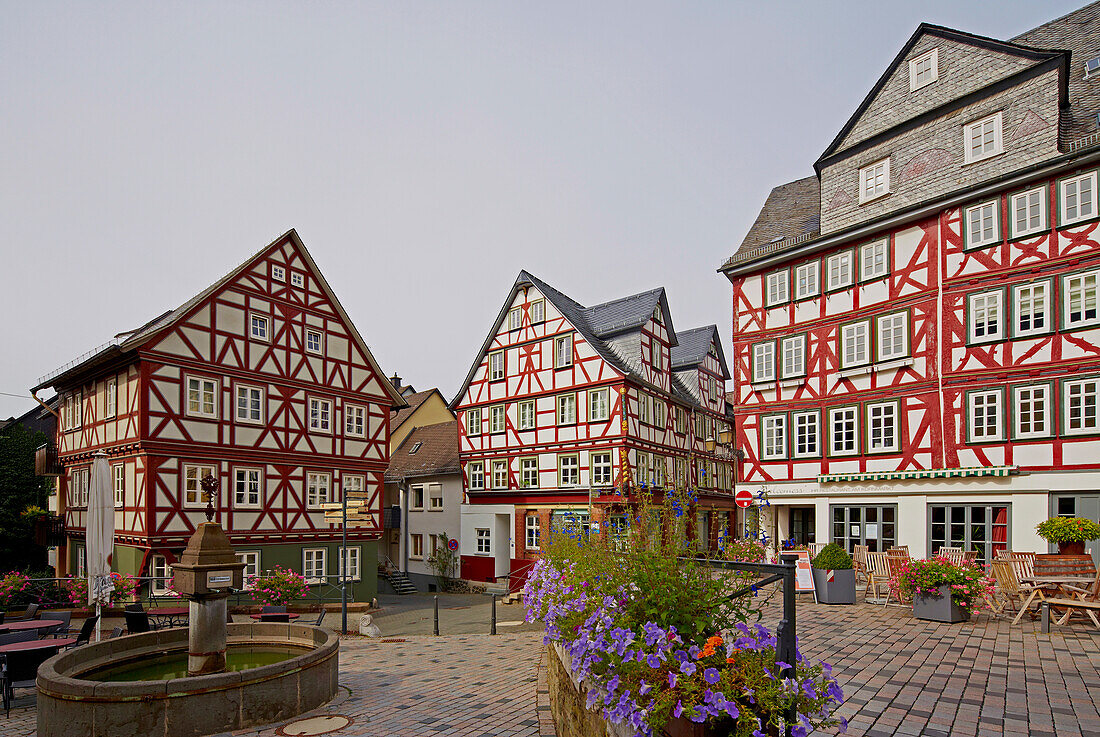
(20,489)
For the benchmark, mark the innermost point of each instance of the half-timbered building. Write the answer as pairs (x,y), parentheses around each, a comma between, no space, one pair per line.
(568,409)
(916,332)
(261,381)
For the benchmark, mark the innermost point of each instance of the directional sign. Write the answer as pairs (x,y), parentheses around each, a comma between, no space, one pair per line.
(452,545)
(743,499)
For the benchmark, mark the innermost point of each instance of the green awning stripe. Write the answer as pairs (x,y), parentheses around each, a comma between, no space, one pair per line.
(935,473)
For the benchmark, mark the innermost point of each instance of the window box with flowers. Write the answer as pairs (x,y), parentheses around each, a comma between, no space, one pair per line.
(942,591)
(1069,533)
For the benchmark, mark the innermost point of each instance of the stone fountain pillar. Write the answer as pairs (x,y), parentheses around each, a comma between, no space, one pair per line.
(204,575)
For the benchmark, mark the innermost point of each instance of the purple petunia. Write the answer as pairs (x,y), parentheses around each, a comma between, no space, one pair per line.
(711,676)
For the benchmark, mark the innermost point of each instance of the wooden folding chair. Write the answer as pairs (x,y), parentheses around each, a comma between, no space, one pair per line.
(970,558)
(895,559)
(814,549)
(878,574)
(947,552)
(859,560)
(899,549)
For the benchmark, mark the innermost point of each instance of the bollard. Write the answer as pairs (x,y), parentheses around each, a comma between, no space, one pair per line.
(435,627)
(1044,620)
(493,620)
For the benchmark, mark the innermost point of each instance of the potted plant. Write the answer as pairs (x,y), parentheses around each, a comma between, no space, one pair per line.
(942,591)
(834,578)
(1070,533)
(279,587)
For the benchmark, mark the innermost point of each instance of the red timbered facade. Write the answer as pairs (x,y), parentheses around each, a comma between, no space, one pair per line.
(916,327)
(568,408)
(262,381)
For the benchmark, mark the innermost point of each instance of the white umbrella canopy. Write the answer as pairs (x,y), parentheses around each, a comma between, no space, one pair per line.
(100,533)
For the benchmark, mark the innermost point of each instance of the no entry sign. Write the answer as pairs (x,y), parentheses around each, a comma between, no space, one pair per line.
(743,499)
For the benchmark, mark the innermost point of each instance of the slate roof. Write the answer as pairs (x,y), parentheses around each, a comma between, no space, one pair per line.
(606,327)
(791,214)
(398,416)
(694,345)
(436,455)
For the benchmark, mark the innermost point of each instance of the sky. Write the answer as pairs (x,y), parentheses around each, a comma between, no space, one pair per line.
(425,152)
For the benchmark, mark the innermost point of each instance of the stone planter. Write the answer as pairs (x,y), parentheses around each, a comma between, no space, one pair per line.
(939,608)
(841,590)
(1074,548)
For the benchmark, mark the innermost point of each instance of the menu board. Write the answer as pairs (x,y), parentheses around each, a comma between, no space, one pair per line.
(803,574)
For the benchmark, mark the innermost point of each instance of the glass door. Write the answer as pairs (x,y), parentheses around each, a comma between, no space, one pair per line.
(970,527)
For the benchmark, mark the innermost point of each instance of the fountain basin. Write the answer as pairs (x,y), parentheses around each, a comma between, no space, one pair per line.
(71,704)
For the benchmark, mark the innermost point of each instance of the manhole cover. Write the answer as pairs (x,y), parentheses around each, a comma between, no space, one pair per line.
(314,726)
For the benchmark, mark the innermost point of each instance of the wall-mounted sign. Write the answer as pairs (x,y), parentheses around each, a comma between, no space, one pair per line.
(219,579)
(872,530)
(452,545)
(855,531)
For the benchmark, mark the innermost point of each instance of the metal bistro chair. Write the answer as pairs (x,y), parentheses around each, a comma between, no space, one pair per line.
(31,613)
(61,629)
(86,631)
(878,574)
(19,669)
(275,617)
(273,609)
(25,636)
(137,622)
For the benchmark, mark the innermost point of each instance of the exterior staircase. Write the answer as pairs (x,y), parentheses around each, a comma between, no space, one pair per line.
(400,582)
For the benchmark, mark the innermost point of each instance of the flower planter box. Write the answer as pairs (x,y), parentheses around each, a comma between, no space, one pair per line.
(841,590)
(939,608)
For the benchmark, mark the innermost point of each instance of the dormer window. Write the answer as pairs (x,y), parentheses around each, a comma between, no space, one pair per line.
(874,181)
(982,139)
(657,314)
(924,70)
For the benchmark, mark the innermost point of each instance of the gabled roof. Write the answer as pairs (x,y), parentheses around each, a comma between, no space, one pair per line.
(398,416)
(694,346)
(128,342)
(790,215)
(628,314)
(435,454)
(993,44)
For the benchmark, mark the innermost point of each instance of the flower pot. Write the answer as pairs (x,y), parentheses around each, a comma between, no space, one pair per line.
(1071,548)
(841,590)
(939,607)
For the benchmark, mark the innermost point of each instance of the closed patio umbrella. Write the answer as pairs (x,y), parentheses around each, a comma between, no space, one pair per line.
(100,535)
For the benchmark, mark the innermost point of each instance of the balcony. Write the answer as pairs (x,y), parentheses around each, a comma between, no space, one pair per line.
(49,532)
(45,461)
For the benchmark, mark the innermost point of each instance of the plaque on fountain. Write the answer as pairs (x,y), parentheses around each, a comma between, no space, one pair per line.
(208,566)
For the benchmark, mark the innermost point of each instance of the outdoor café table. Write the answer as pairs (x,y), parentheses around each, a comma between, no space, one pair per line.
(1053,585)
(54,645)
(289,615)
(172,616)
(31,624)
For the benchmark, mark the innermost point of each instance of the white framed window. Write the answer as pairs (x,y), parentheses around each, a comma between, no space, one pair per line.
(874,180)
(496,419)
(1078,198)
(158,569)
(1032,313)
(527,414)
(567,409)
(202,396)
(500,474)
(874,260)
(773,441)
(193,474)
(569,470)
(118,476)
(985,314)
(839,270)
(81,478)
(656,316)
(680,420)
(484,540)
(712,388)
(892,332)
(882,427)
(250,401)
(473,421)
(601,469)
(317,489)
(657,352)
(807,443)
(982,139)
(251,560)
(641,470)
(1080,400)
(532,532)
(110,398)
(496,366)
(1028,212)
(985,415)
(529,473)
(416,546)
(349,563)
(854,344)
(794,356)
(1080,298)
(924,69)
(1032,411)
(983,224)
(314,565)
(537,311)
(352,485)
(320,415)
(278,273)
(563,351)
(416,498)
(778,288)
(643,408)
(515,318)
(475,475)
(314,341)
(844,431)
(806,280)
(660,416)
(763,362)
(355,420)
(297,279)
(246,487)
(599,404)
(435,544)
(259,327)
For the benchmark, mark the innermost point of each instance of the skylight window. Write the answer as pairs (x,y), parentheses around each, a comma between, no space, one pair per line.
(1092,66)
(416,447)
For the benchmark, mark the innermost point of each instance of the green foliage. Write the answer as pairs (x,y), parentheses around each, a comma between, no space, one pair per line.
(1068,530)
(443,561)
(12,585)
(968,585)
(20,490)
(833,558)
